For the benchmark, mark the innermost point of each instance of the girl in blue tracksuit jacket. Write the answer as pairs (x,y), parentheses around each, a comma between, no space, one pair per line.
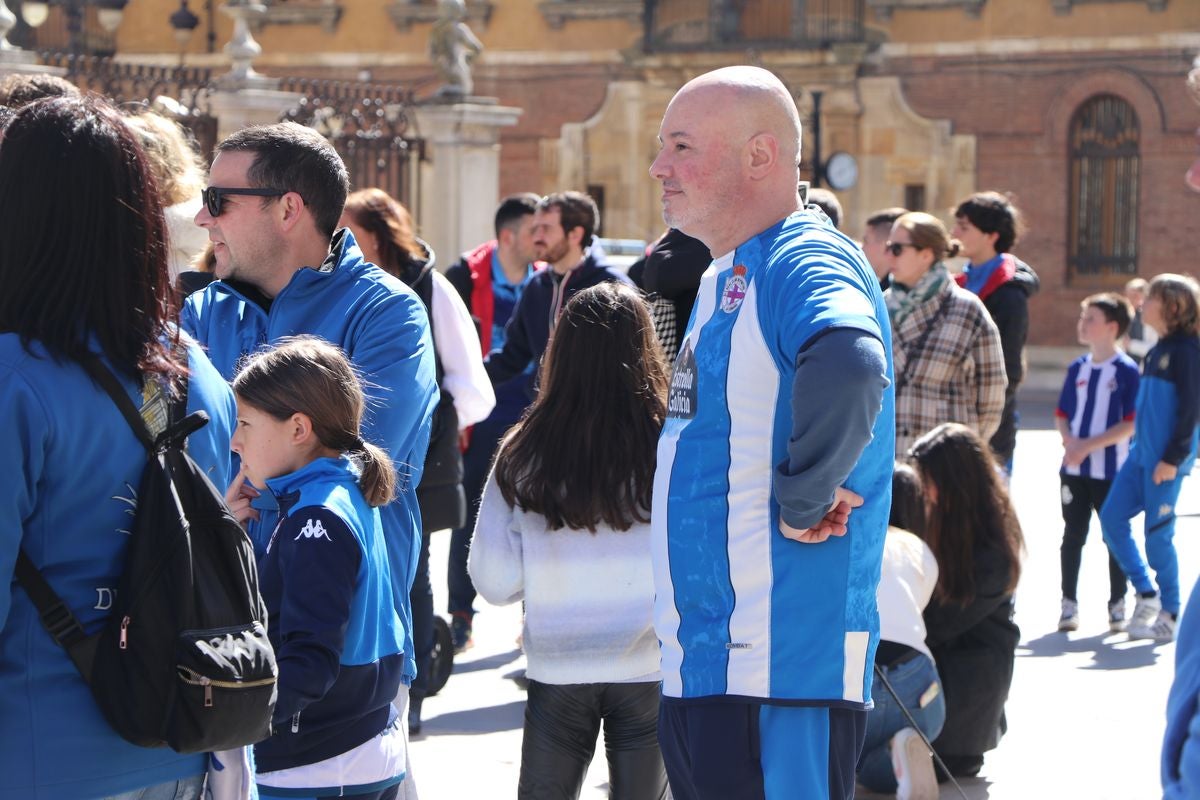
(1164,448)
(324,576)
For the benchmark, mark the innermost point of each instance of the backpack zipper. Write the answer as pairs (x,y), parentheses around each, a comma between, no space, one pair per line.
(124,643)
(194,678)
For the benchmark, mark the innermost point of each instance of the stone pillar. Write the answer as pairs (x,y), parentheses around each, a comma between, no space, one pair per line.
(242,96)
(14,60)
(460,185)
(240,107)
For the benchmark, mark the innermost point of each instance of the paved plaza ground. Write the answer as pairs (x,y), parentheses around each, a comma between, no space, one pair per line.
(1086,712)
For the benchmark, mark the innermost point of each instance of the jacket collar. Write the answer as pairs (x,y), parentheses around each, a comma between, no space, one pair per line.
(321,470)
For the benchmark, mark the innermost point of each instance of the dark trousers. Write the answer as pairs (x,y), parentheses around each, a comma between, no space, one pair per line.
(477,463)
(1080,497)
(751,751)
(561,726)
(421,598)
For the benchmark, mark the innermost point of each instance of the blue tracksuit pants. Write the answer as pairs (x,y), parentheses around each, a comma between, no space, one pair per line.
(1133,491)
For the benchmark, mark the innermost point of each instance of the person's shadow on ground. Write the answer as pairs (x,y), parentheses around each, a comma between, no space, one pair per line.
(1110,651)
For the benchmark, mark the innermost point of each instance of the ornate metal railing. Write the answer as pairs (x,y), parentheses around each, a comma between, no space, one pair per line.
(369,125)
(125,84)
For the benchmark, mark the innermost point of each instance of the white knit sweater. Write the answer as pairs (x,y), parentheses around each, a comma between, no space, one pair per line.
(589,597)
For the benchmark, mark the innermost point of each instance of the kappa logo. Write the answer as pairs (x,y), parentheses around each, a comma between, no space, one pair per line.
(1165,510)
(313,529)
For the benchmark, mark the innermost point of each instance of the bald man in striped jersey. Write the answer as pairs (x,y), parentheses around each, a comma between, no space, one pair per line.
(774,467)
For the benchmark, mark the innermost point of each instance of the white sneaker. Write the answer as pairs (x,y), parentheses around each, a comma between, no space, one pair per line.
(1145,612)
(1116,616)
(1162,629)
(1069,621)
(913,765)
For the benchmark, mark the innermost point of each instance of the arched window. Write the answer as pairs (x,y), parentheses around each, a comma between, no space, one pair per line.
(1102,236)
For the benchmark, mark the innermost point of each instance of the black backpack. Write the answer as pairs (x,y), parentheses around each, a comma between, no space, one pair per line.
(183,660)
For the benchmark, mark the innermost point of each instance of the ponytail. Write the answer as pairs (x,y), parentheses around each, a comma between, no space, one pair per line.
(378,481)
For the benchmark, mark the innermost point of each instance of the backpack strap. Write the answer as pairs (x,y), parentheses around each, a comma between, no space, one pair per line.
(109,383)
(62,625)
(56,617)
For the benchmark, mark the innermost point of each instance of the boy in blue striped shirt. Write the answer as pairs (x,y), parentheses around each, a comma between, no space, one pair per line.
(1095,418)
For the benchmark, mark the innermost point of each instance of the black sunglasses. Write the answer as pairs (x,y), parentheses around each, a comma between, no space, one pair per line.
(214,197)
(895,248)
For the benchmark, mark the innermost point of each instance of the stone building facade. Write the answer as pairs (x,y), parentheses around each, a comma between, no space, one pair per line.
(1078,108)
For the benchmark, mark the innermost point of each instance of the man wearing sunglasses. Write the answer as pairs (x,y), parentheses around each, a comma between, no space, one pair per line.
(271,211)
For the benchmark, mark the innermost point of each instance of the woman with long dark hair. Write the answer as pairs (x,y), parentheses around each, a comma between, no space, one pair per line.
(564,526)
(385,233)
(84,271)
(973,531)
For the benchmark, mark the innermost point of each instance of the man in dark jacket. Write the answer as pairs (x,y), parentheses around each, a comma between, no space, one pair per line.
(671,272)
(490,279)
(563,230)
(987,225)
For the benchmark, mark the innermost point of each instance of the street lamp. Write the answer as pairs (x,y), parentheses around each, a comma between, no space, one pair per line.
(109,14)
(35,13)
(183,22)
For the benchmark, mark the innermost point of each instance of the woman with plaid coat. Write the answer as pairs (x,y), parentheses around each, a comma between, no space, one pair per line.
(949,365)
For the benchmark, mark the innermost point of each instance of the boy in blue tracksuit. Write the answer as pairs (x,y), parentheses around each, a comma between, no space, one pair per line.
(1164,449)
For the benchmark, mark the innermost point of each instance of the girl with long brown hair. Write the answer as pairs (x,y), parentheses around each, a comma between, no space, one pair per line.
(564,526)
(972,528)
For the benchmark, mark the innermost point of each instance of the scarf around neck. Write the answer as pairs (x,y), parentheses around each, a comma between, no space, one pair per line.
(902,300)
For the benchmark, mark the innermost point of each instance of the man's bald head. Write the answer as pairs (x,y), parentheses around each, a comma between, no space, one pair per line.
(729,157)
(755,99)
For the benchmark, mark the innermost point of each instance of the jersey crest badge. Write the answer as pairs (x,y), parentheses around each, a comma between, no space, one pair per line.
(735,290)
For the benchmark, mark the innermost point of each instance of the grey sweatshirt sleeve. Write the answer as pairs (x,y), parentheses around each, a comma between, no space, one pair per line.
(836,396)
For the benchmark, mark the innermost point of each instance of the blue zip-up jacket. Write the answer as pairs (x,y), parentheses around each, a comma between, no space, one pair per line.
(1168,404)
(528,330)
(383,328)
(70,467)
(1180,764)
(338,640)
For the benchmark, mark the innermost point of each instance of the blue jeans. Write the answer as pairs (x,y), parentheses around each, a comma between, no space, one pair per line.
(185,789)
(911,680)
(1133,490)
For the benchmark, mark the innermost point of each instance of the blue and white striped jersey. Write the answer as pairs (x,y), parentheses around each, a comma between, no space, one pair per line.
(741,610)
(1094,398)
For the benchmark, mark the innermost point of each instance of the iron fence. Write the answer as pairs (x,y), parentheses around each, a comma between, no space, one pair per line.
(128,84)
(368,124)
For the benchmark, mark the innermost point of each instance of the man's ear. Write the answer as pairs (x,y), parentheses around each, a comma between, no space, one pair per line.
(292,209)
(575,236)
(762,153)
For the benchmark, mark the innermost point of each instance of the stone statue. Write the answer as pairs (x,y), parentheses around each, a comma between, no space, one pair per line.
(453,47)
